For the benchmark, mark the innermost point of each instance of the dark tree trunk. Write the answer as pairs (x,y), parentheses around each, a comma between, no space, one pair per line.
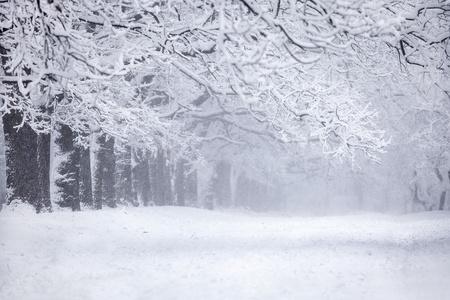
(442,200)
(98,171)
(21,159)
(104,172)
(145,181)
(155,181)
(85,180)
(185,184)
(43,170)
(27,156)
(416,199)
(141,177)
(134,177)
(69,168)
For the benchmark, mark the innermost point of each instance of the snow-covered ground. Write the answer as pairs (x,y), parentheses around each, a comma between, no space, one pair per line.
(187,253)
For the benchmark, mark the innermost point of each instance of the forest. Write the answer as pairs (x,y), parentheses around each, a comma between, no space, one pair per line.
(213,104)
(225,149)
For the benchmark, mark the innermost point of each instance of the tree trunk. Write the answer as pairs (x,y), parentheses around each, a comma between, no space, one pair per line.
(109,168)
(185,184)
(180,188)
(124,186)
(145,186)
(141,177)
(21,159)
(85,179)
(443,193)
(104,172)
(160,176)
(43,169)
(27,156)
(2,168)
(68,169)
(233,185)
(134,177)
(167,176)
(190,183)
(442,200)
(98,171)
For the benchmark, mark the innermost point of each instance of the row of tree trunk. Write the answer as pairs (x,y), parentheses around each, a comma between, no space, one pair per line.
(231,188)
(105,173)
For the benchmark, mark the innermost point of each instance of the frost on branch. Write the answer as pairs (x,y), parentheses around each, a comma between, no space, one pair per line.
(346,129)
(258,52)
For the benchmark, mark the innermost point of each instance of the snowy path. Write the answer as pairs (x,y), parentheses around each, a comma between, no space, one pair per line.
(186,253)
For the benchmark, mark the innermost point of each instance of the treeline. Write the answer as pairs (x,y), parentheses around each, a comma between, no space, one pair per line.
(55,170)
(101,172)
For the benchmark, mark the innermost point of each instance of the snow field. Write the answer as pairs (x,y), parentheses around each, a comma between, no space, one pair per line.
(187,253)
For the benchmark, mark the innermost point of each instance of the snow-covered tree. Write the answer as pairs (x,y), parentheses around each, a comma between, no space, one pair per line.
(144,73)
